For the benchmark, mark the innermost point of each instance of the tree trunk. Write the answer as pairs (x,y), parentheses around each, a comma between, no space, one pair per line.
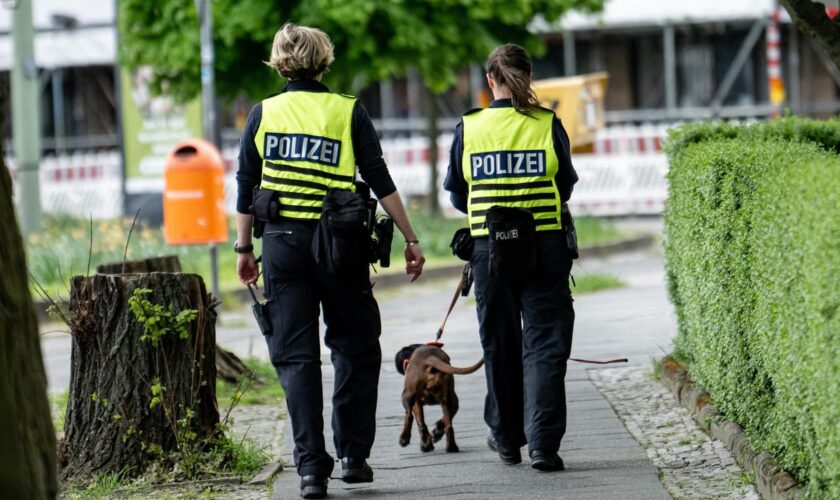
(433,132)
(228,366)
(811,18)
(27,438)
(110,425)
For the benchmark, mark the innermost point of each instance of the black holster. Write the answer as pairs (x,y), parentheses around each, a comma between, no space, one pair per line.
(569,231)
(512,243)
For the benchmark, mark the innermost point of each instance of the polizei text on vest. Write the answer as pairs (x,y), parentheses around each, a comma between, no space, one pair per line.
(500,164)
(302,147)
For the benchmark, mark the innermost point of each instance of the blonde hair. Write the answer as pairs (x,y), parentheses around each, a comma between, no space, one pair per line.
(301,52)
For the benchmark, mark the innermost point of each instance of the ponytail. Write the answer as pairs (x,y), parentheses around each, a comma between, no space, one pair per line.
(510,65)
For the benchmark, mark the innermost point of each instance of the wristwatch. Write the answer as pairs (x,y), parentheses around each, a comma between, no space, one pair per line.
(245,249)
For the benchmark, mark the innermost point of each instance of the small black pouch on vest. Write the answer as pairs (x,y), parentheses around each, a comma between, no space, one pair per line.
(341,239)
(265,207)
(512,243)
(462,244)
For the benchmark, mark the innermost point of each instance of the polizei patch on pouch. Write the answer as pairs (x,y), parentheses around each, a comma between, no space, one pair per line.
(510,234)
(500,164)
(301,147)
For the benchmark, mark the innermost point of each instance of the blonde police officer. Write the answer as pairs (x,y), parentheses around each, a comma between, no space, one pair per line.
(516,154)
(301,143)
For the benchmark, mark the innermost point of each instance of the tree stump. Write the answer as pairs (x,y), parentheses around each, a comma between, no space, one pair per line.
(27,438)
(112,424)
(228,366)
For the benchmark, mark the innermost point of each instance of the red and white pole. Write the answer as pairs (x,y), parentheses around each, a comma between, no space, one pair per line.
(774,64)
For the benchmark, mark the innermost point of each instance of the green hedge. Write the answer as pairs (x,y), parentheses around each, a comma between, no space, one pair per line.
(753,263)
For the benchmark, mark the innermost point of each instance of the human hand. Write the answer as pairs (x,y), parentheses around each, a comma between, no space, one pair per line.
(414,261)
(246,268)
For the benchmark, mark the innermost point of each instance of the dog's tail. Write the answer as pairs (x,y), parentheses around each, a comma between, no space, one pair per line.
(445,367)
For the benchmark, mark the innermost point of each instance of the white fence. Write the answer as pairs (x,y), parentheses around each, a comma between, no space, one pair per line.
(625,175)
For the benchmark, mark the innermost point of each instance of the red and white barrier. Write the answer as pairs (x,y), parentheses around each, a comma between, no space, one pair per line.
(625,176)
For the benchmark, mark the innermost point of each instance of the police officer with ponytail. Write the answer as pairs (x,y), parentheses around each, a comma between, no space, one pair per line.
(511,172)
(301,146)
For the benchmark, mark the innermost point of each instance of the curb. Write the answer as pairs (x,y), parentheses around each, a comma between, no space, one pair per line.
(771,481)
(391,280)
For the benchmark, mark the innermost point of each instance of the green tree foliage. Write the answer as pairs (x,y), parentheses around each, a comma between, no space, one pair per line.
(754,275)
(373,39)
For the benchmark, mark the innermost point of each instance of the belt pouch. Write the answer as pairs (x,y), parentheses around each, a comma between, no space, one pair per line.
(512,243)
(340,241)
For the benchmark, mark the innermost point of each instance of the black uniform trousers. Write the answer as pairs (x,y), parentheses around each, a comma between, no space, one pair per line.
(295,287)
(526,333)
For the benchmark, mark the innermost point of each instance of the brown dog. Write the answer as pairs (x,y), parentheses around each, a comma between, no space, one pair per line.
(429,380)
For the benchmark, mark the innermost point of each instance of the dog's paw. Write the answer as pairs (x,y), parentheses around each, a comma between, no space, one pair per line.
(452,449)
(427,446)
(438,432)
(404,440)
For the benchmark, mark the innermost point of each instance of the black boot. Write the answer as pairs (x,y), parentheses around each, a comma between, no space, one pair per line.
(313,487)
(546,461)
(509,457)
(356,470)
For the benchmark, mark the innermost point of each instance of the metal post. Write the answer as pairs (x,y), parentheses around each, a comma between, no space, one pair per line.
(386,103)
(477,85)
(208,107)
(670,66)
(26,117)
(569,55)
(57,78)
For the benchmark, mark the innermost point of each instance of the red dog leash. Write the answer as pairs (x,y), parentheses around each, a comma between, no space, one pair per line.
(460,288)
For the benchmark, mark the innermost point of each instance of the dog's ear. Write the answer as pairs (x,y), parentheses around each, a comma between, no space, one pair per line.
(403,355)
(405,366)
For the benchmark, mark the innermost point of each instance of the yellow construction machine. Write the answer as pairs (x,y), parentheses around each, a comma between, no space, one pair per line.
(579,103)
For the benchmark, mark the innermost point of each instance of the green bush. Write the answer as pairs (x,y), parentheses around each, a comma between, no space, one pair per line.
(753,271)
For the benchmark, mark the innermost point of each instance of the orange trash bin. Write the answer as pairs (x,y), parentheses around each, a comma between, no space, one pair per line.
(194,194)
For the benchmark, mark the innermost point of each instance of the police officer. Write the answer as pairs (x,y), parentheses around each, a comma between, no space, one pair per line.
(300,143)
(516,154)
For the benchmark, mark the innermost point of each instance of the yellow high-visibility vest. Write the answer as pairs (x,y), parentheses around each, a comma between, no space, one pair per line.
(509,160)
(305,141)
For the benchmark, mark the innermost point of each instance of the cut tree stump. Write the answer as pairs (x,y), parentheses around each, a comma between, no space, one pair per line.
(228,366)
(110,426)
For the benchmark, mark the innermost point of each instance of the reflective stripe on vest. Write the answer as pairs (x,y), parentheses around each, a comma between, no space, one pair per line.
(509,160)
(305,141)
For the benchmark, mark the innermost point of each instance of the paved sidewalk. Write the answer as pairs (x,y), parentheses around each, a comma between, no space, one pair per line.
(602,458)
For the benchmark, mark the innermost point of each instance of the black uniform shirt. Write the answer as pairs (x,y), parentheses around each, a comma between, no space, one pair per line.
(366,149)
(457,185)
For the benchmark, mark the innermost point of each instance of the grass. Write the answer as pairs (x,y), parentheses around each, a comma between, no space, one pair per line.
(595,282)
(58,408)
(266,390)
(61,250)
(241,457)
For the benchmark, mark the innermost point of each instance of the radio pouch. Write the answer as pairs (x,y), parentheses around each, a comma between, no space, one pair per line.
(265,207)
(512,243)
(341,239)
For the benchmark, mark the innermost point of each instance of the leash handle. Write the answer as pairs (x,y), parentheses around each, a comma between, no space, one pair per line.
(451,307)
(597,362)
